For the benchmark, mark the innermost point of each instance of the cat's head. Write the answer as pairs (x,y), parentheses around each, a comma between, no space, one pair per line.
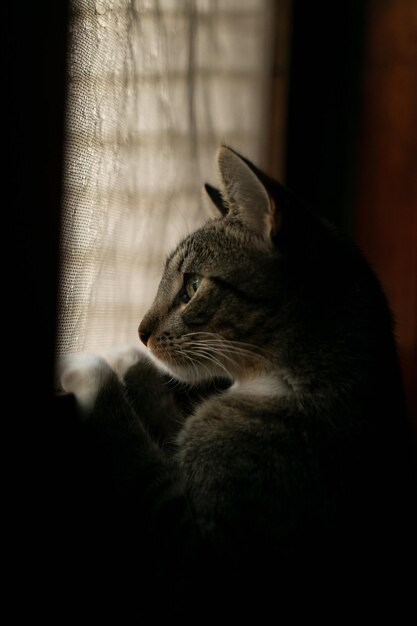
(243,293)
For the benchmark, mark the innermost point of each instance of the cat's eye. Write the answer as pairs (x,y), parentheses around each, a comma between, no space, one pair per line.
(192,283)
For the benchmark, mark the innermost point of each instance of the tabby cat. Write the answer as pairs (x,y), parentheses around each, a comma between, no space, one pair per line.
(275,472)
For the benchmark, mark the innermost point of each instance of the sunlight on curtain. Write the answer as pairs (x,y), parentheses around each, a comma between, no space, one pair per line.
(154,87)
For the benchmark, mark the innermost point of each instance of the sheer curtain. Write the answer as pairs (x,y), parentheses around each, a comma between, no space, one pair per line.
(154,87)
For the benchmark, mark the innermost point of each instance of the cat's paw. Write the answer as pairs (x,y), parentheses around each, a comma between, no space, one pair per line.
(122,359)
(84,375)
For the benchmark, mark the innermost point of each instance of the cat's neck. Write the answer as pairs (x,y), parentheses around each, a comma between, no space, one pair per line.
(262,385)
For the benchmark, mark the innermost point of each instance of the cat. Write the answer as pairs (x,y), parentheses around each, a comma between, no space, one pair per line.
(281,472)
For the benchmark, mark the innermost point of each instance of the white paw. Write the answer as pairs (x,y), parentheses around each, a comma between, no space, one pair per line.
(121,359)
(83,374)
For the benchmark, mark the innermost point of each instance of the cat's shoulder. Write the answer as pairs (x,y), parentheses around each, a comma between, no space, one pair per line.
(230,416)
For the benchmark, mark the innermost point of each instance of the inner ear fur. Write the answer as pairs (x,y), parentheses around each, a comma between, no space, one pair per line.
(216,199)
(246,194)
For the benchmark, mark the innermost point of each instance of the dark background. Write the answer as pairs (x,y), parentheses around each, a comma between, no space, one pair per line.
(326,57)
(352,141)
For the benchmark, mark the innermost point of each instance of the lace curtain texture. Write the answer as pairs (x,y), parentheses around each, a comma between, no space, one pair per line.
(154,87)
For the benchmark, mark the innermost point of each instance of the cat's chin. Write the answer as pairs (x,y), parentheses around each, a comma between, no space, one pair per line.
(191,375)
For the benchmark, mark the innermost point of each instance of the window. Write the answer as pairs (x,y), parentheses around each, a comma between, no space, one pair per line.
(154,88)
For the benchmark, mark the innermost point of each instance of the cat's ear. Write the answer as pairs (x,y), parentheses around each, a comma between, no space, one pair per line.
(216,199)
(245,195)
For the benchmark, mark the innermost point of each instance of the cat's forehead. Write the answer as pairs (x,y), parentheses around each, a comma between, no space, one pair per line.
(208,247)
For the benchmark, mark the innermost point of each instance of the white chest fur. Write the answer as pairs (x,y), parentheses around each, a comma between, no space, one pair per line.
(265,385)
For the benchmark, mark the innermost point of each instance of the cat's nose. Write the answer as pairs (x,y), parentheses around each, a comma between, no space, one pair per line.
(144,335)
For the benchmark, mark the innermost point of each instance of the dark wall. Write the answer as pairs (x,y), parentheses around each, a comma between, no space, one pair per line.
(386,208)
(34,36)
(325,79)
(352,140)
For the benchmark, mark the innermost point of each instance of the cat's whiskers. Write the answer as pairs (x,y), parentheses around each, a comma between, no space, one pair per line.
(227,349)
(175,384)
(190,357)
(219,337)
(193,363)
(210,357)
(230,343)
(217,354)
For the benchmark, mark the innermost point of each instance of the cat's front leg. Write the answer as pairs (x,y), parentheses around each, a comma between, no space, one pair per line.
(122,359)
(88,375)
(85,375)
(109,421)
